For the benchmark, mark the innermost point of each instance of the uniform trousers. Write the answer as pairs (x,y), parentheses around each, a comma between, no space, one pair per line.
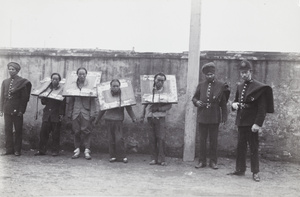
(245,135)
(81,126)
(116,140)
(157,138)
(13,143)
(210,130)
(47,128)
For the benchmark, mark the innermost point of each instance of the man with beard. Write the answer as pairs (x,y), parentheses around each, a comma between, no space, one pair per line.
(82,111)
(15,94)
(210,98)
(52,116)
(114,120)
(156,113)
(252,101)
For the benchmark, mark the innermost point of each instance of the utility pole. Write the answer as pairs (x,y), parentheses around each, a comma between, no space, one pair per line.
(192,82)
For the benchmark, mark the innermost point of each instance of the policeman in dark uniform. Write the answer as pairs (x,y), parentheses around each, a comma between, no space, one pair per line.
(15,94)
(52,116)
(253,100)
(211,97)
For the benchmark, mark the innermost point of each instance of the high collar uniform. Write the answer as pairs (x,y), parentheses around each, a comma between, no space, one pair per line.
(215,94)
(256,99)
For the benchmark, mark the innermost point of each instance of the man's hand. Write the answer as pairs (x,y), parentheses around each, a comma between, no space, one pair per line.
(1,113)
(20,114)
(200,104)
(60,117)
(255,128)
(235,105)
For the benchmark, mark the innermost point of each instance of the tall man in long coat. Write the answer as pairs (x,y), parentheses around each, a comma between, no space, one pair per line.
(210,98)
(15,94)
(253,100)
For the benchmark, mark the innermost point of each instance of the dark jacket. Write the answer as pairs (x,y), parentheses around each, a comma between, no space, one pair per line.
(258,100)
(53,109)
(216,111)
(19,97)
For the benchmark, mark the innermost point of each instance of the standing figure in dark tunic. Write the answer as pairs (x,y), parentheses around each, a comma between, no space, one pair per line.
(52,116)
(210,98)
(252,101)
(15,94)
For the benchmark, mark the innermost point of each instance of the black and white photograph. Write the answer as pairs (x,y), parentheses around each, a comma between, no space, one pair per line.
(149,98)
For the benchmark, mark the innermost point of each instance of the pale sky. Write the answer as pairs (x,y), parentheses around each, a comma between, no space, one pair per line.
(150,25)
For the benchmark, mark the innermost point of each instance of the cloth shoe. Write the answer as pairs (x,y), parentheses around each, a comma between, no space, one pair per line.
(153,162)
(213,165)
(87,154)
(76,153)
(125,160)
(200,165)
(256,177)
(17,153)
(113,159)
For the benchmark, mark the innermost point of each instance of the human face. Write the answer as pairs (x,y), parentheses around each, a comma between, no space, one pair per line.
(246,75)
(115,88)
(210,77)
(12,71)
(55,80)
(159,82)
(81,75)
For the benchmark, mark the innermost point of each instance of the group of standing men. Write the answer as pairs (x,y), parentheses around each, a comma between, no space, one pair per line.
(252,101)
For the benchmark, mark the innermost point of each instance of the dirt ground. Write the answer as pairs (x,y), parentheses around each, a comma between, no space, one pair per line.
(29,175)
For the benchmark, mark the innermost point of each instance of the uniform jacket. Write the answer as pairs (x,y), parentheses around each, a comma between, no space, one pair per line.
(258,101)
(19,97)
(53,109)
(217,107)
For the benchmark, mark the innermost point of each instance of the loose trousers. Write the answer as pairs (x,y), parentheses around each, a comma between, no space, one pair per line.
(157,137)
(81,126)
(210,130)
(245,135)
(116,140)
(47,128)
